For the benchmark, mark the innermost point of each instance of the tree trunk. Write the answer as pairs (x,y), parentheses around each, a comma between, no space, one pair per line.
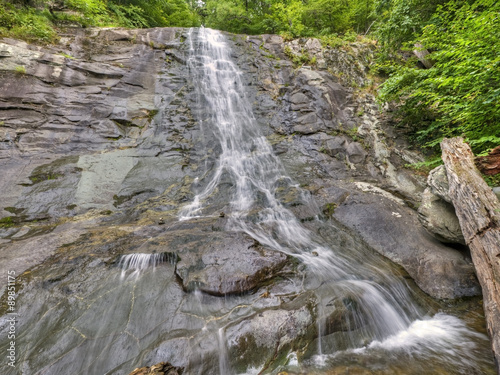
(422,53)
(478,211)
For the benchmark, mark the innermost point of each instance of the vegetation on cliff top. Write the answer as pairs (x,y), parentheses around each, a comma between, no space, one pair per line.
(458,95)
(39,20)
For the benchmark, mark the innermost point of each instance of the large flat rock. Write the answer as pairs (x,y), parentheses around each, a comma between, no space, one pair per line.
(394,230)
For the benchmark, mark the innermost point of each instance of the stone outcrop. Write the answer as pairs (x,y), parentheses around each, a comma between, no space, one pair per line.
(323,124)
(107,124)
(383,223)
(225,262)
(436,212)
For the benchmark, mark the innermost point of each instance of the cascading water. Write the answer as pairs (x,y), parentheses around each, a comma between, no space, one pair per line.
(382,310)
(139,261)
(80,313)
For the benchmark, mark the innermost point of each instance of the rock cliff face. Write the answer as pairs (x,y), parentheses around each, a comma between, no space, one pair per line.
(104,123)
(101,143)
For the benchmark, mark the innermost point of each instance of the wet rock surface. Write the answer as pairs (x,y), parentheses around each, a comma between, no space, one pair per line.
(227,263)
(441,272)
(99,152)
(337,144)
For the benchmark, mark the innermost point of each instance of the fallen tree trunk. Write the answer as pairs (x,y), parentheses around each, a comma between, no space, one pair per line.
(478,211)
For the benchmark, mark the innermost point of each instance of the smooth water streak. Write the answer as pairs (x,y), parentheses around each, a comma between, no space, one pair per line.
(382,307)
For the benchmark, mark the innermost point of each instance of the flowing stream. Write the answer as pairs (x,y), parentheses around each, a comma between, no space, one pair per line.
(95,314)
(383,314)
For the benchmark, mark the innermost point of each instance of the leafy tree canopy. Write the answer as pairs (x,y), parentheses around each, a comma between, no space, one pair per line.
(460,94)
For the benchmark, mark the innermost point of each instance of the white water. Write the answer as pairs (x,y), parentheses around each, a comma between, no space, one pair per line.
(443,336)
(133,264)
(382,309)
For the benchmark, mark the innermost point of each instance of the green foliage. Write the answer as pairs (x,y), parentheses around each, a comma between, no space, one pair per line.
(37,20)
(492,181)
(460,94)
(290,18)
(399,21)
(26,23)
(155,13)
(299,59)
(6,222)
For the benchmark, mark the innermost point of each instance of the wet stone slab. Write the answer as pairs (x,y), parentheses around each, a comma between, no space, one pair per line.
(226,263)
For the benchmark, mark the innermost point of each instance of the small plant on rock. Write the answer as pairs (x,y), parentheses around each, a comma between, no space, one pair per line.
(20,70)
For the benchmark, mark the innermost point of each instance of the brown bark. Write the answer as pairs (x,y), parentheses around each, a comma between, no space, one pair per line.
(478,211)
(489,164)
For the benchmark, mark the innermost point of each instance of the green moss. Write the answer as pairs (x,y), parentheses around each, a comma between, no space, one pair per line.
(329,209)
(66,55)
(6,222)
(14,210)
(20,70)
(39,177)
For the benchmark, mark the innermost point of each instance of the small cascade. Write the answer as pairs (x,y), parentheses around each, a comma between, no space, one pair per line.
(224,368)
(135,263)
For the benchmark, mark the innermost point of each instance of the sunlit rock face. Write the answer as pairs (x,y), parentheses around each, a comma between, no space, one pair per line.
(183,196)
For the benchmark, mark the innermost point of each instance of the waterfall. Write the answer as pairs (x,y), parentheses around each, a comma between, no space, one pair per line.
(336,307)
(139,262)
(379,303)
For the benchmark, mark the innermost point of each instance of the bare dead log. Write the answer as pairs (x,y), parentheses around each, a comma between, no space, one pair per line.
(478,211)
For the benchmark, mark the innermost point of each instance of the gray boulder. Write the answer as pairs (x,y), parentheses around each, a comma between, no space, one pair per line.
(438,183)
(496,190)
(356,153)
(440,219)
(394,231)
(225,262)
(436,213)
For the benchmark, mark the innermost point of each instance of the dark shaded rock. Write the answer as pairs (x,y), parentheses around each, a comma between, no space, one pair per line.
(356,153)
(335,146)
(299,98)
(307,124)
(226,263)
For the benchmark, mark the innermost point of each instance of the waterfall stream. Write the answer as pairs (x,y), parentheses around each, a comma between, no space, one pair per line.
(117,297)
(382,309)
